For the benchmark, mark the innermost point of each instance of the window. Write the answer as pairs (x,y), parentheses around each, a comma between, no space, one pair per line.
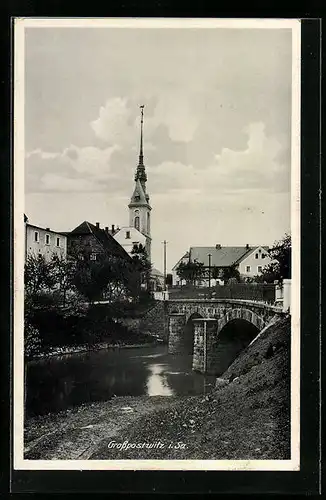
(263,256)
(58,242)
(127,235)
(36,237)
(148,223)
(47,239)
(137,223)
(248,269)
(93,256)
(256,256)
(259,269)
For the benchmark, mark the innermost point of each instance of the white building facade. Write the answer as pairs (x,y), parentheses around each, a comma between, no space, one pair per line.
(44,241)
(253,263)
(128,237)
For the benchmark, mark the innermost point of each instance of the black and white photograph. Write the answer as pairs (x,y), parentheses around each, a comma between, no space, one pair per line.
(157,244)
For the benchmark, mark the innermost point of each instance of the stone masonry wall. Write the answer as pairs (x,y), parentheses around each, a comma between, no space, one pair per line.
(155,321)
(217,308)
(176,333)
(199,349)
(203,358)
(132,324)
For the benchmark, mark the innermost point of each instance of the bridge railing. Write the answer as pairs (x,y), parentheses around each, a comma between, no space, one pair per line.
(246,291)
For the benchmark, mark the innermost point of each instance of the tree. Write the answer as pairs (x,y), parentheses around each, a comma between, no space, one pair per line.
(97,280)
(38,275)
(191,271)
(227,274)
(64,271)
(217,272)
(142,264)
(231,274)
(280,267)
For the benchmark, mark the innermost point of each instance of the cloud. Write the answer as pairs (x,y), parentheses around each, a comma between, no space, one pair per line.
(57,183)
(73,169)
(113,123)
(176,113)
(118,119)
(254,168)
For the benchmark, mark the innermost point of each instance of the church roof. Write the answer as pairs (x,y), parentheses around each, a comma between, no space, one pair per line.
(103,237)
(138,195)
(221,256)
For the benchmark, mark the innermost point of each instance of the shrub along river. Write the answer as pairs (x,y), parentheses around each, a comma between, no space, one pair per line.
(61,382)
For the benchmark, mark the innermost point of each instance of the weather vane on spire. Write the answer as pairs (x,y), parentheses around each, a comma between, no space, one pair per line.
(142,111)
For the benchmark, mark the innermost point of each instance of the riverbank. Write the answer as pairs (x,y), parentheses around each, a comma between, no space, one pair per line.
(60,351)
(246,417)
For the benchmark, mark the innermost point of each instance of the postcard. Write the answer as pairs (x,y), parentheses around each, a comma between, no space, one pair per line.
(157,244)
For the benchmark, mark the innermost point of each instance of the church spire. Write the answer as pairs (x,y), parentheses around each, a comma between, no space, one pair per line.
(140,172)
(141,156)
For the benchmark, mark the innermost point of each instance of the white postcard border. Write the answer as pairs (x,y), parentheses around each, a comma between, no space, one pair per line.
(19,463)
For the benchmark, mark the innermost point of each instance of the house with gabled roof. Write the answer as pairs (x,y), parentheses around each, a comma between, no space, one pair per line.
(249,260)
(176,280)
(253,261)
(89,241)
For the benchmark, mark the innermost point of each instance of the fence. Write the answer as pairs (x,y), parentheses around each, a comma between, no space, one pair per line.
(247,291)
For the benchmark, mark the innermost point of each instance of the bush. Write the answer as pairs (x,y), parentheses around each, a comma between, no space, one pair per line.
(32,341)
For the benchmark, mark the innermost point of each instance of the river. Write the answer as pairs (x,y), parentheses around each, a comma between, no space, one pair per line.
(61,382)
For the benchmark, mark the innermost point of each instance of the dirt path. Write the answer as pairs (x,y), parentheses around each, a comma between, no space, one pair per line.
(77,433)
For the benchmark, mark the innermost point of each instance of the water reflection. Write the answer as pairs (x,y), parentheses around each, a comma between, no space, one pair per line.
(58,383)
(157,384)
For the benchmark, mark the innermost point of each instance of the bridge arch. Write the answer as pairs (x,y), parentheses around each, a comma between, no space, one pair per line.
(242,314)
(235,332)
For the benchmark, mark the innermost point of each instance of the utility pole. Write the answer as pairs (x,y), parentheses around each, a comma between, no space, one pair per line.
(164,262)
(209,272)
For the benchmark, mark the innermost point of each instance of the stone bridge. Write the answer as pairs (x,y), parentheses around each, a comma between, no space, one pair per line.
(214,331)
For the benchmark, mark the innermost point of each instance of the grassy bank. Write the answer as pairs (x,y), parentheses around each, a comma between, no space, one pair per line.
(61,332)
(246,417)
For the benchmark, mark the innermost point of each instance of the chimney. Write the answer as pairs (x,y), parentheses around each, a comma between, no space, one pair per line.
(47,229)
(112,229)
(106,229)
(218,246)
(97,225)
(247,246)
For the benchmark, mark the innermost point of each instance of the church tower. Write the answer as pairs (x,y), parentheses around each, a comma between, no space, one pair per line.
(139,207)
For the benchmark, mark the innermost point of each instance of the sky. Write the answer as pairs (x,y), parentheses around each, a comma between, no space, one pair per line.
(217,131)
